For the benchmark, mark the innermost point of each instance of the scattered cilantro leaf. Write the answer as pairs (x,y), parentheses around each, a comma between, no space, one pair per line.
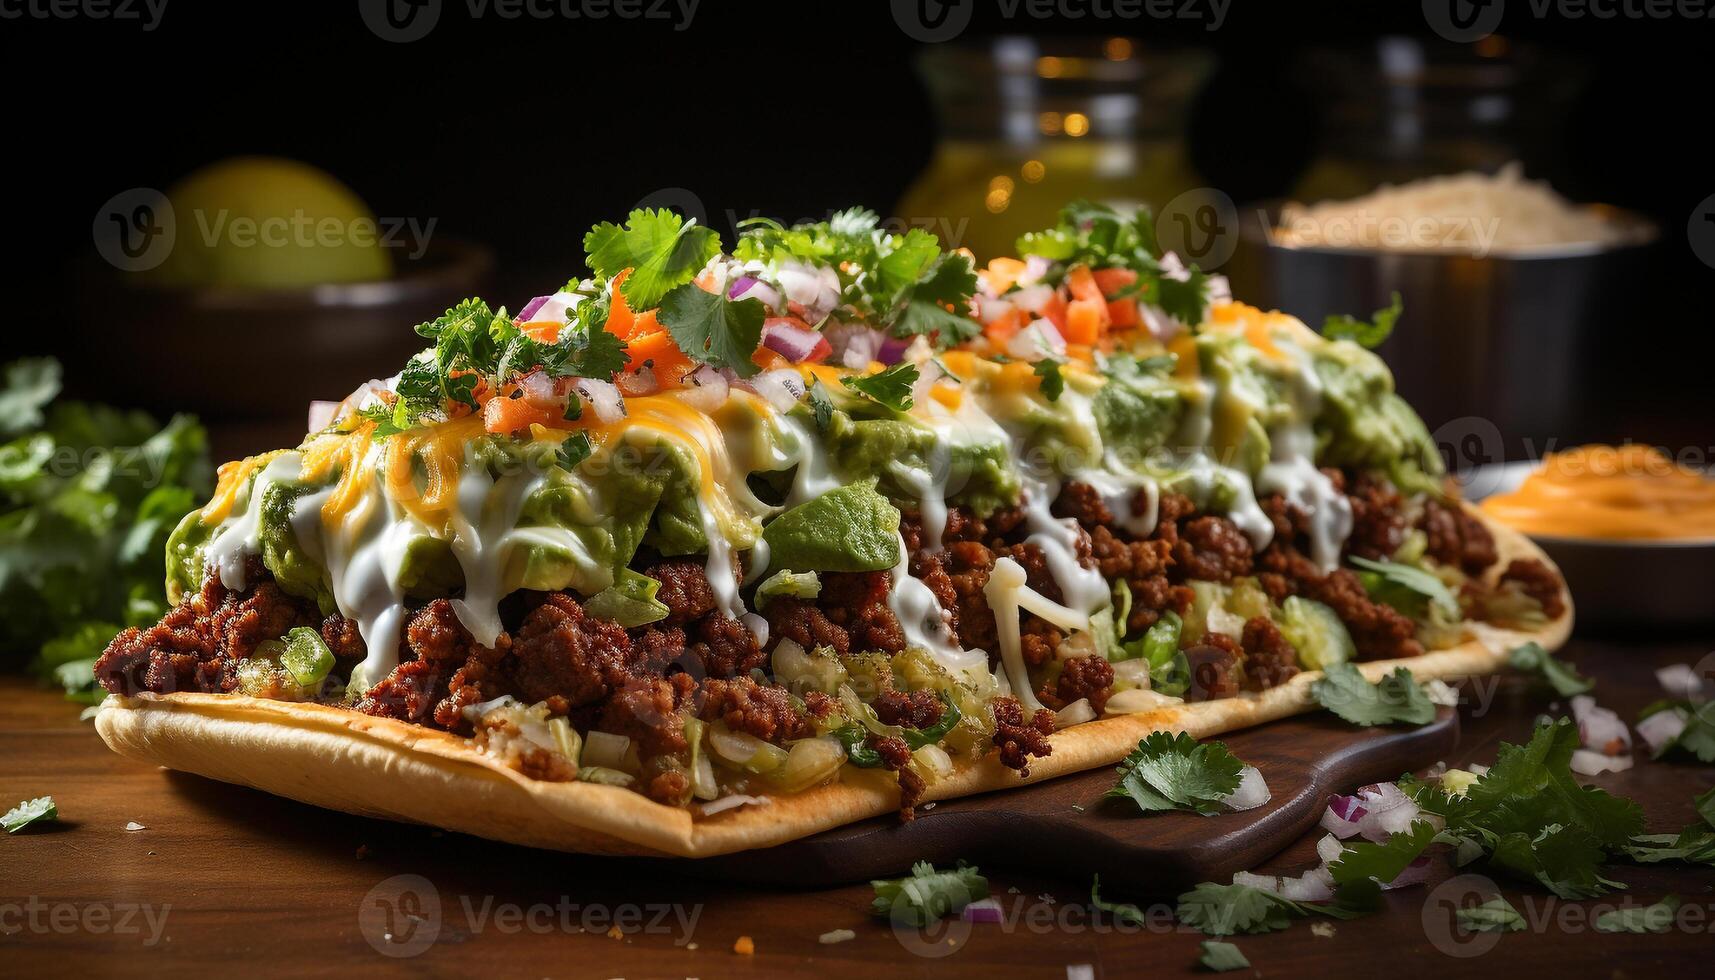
(890,388)
(1561,676)
(1121,911)
(1371,334)
(26,388)
(1222,957)
(1176,772)
(1693,845)
(1650,918)
(662,250)
(574,450)
(1705,804)
(1053,381)
(821,406)
(713,329)
(1384,579)
(1395,699)
(910,258)
(1382,862)
(1494,915)
(926,894)
(39,810)
(1228,910)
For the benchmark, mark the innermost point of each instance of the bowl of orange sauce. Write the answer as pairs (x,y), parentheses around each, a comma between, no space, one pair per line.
(1632,529)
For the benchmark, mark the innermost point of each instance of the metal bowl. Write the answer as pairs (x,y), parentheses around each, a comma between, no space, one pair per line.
(1500,347)
(1656,584)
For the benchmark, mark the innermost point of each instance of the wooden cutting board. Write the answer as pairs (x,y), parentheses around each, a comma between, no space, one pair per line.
(1064,827)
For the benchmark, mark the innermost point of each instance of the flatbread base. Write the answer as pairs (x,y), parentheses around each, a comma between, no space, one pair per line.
(379,767)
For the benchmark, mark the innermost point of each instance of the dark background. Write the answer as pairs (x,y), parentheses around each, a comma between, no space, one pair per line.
(522,133)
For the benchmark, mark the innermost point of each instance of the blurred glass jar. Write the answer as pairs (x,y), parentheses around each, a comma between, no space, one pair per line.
(1403,109)
(1027,125)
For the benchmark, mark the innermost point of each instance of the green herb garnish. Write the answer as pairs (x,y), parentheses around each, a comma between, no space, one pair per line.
(1371,334)
(1395,699)
(926,894)
(1176,772)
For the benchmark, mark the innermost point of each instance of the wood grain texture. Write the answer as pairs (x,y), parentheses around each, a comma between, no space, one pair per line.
(256,883)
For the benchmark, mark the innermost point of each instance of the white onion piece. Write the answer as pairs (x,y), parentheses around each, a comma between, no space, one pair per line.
(1252,792)
(1035,267)
(1315,885)
(1587,762)
(1387,811)
(1337,826)
(990,309)
(602,398)
(321,415)
(1220,290)
(1681,681)
(1265,883)
(758,290)
(538,391)
(1661,728)
(551,309)
(706,389)
(1032,299)
(1134,673)
(1441,693)
(815,288)
(1478,768)
(1076,713)
(933,761)
(1038,339)
(732,802)
(1329,849)
(782,388)
(1600,728)
(1174,269)
(983,910)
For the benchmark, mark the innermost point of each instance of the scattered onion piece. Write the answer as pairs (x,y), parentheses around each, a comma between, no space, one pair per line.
(983,910)
(1588,762)
(1600,728)
(1661,728)
(1252,792)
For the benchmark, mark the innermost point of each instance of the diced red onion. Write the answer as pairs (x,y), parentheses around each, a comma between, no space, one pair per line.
(549,309)
(784,336)
(1387,811)
(983,910)
(530,308)
(892,350)
(815,288)
(706,389)
(749,287)
(1600,728)
(1415,873)
(782,388)
(321,415)
(1252,792)
(602,398)
(1661,728)
(1038,339)
(1035,267)
(1681,681)
(1588,762)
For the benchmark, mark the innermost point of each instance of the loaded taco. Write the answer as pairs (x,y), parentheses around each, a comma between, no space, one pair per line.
(713,550)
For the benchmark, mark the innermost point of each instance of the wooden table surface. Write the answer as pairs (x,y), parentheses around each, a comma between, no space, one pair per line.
(227,879)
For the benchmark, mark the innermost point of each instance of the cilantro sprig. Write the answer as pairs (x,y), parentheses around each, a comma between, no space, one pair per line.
(1170,771)
(890,388)
(662,250)
(1395,699)
(926,894)
(1100,237)
(1559,675)
(1369,334)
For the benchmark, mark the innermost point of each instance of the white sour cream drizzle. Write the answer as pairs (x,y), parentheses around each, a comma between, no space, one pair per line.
(1292,473)
(482,540)
(229,549)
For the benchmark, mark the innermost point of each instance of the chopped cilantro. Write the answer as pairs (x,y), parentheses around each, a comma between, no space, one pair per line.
(662,250)
(1698,736)
(1053,381)
(1650,918)
(574,450)
(926,894)
(1561,676)
(1396,698)
(713,329)
(1175,772)
(821,406)
(1495,915)
(1100,237)
(39,810)
(890,388)
(1365,861)
(1371,334)
(1222,957)
(1693,845)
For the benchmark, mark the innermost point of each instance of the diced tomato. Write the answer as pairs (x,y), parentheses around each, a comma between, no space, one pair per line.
(1054,311)
(657,350)
(768,360)
(1004,327)
(505,415)
(1081,283)
(1001,274)
(1123,313)
(1111,281)
(1085,321)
